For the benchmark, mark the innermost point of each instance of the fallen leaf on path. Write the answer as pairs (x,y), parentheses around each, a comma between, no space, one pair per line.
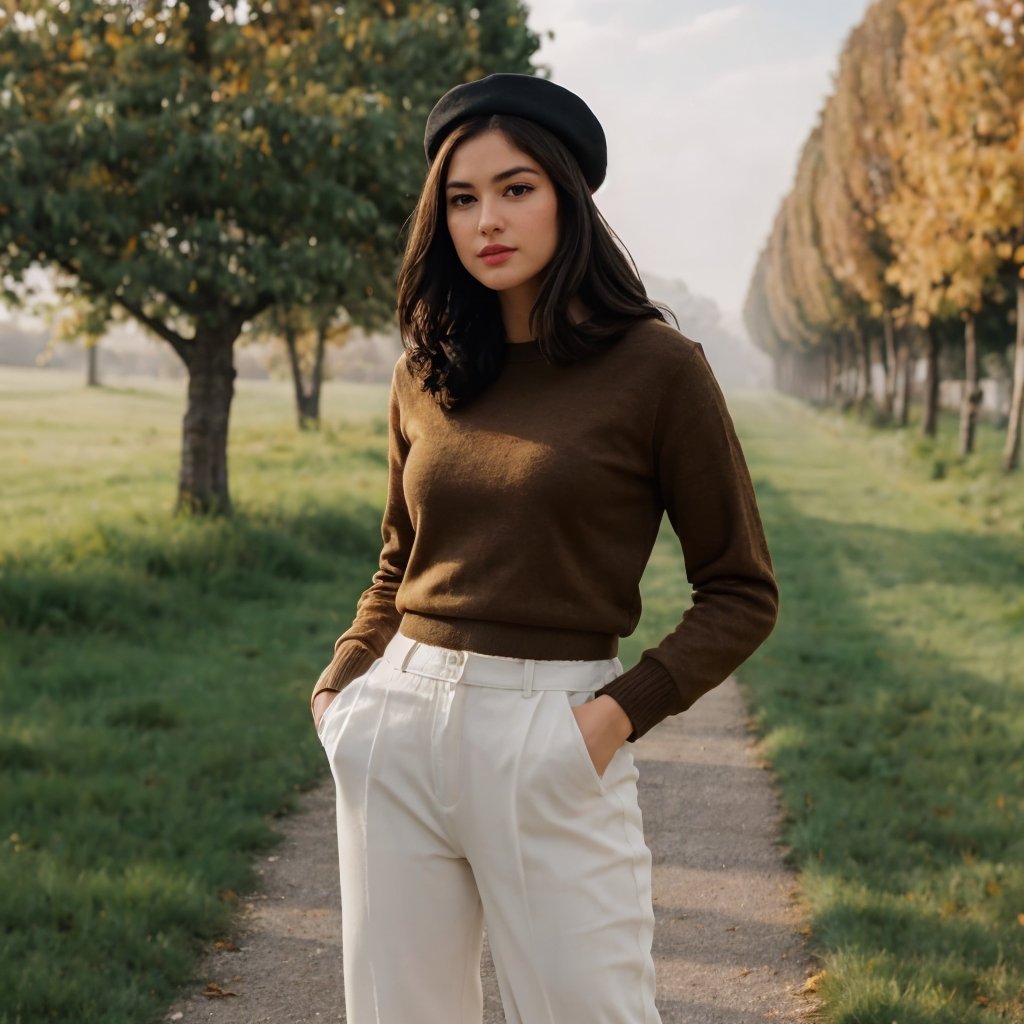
(811,984)
(225,944)
(214,991)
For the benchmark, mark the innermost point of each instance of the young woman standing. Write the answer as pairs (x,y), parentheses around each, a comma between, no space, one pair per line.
(543,418)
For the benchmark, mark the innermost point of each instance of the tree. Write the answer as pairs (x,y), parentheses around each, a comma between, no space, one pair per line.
(795,308)
(193,166)
(1000,129)
(858,127)
(958,213)
(919,211)
(305,334)
(74,321)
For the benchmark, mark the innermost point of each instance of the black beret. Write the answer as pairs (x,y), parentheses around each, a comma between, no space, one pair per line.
(560,111)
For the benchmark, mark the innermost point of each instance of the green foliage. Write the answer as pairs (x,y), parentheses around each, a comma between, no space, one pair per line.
(179,163)
(189,169)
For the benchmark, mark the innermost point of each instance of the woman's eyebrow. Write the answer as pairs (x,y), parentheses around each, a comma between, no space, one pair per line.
(510,173)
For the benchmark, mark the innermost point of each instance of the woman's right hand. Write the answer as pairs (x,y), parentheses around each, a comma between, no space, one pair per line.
(321,702)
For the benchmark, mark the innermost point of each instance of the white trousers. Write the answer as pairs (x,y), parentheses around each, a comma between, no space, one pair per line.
(465,793)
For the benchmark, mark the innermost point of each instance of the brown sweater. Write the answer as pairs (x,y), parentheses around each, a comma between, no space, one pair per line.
(520,525)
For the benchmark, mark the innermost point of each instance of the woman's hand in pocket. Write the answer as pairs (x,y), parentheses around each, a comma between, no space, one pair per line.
(605,727)
(321,702)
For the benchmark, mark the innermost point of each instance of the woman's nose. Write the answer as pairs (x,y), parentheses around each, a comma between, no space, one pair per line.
(490,219)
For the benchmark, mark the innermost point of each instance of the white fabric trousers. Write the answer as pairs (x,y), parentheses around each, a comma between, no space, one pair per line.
(465,792)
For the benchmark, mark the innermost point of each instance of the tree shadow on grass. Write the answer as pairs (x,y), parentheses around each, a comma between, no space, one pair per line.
(901,767)
(119,580)
(154,721)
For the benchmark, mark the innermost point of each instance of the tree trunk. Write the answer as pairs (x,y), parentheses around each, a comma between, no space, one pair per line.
(930,421)
(292,345)
(203,483)
(843,390)
(862,355)
(901,378)
(891,360)
(92,365)
(307,398)
(316,379)
(971,397)
(908,381)
(1011,452)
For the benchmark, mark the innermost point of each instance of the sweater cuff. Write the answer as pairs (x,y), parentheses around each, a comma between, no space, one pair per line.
(647,694)
(351,661)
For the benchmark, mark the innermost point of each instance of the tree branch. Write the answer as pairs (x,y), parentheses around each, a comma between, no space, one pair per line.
(176,341)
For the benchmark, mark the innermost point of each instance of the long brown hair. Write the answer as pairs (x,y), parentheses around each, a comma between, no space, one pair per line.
(451,324)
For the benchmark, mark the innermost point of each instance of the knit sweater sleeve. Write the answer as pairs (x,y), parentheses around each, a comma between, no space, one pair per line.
(377,618)
(709,498)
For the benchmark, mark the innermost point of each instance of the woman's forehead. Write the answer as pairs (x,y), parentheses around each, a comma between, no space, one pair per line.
(486,154)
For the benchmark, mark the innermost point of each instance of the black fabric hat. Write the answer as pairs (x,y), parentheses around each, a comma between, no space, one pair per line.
(560,111)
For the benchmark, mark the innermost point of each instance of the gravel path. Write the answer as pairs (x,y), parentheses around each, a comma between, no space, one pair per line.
(727,939)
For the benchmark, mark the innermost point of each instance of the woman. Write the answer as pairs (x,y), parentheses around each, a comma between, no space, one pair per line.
(543,418)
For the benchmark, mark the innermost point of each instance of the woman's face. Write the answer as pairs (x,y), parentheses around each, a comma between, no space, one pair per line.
(502,213)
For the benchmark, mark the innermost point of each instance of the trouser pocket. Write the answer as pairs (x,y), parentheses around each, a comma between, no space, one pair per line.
(332,720)
(566,702)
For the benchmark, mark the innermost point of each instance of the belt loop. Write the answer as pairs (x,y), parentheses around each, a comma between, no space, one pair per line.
(528,677)
(409,654)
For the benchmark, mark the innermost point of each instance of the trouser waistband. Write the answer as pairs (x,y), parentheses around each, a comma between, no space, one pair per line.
(474,669)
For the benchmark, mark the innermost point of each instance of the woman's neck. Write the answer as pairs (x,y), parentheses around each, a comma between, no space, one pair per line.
(516,304)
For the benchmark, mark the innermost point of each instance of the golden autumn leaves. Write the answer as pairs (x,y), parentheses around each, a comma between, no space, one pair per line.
(908,204)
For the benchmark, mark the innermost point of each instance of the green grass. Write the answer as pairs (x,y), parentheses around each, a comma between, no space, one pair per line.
(891,701)
(155,674)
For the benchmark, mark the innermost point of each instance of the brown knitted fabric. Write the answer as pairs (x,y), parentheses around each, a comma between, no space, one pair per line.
(521,524)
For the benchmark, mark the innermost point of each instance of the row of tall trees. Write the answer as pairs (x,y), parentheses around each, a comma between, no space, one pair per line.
(903,233)
(199,166)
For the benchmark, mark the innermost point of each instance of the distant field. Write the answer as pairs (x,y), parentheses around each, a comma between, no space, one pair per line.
(74,450)
(155,673)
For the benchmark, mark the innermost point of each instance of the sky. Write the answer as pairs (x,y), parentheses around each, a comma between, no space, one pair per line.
(706,105)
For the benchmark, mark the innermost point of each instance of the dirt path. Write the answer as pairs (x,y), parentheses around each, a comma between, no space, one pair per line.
(727,945)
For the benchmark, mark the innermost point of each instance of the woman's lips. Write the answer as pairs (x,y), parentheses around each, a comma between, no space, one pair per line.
(494,258)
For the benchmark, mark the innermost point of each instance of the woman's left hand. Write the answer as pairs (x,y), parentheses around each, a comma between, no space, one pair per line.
(605,727)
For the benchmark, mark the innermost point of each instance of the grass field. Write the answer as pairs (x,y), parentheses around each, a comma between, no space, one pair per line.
(891,698)
(155,673)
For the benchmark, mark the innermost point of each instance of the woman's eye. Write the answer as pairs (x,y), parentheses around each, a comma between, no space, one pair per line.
(525,189)
(457,200)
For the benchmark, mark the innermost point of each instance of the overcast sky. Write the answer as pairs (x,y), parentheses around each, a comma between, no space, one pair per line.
(706,105)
